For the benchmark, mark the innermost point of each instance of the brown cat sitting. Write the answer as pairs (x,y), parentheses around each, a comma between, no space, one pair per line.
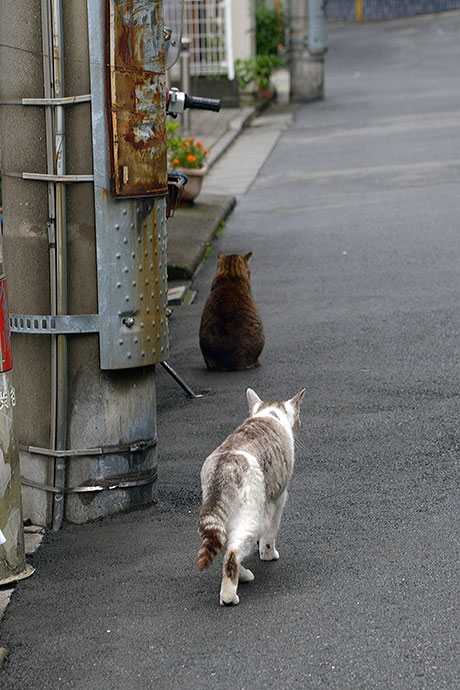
(231,331)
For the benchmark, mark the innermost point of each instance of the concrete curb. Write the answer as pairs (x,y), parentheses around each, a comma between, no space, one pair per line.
(191,232)
(234,129)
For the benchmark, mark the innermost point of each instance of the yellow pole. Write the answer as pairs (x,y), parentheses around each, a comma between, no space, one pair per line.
(359,10)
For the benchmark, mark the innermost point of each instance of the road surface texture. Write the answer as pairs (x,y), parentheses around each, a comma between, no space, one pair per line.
(354,225)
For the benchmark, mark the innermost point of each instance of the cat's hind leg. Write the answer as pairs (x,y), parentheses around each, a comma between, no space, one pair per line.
(267,542)
(240,541)
(229,585)
(232,573)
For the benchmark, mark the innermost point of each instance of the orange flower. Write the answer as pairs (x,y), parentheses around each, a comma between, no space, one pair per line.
(185,144)
(205,150)
(176,161)
(191,138)
(187,150)
(199,144)
(191,159)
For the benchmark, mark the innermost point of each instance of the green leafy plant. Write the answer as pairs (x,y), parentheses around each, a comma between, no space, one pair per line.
(270,27)
(184,153)
(256,70)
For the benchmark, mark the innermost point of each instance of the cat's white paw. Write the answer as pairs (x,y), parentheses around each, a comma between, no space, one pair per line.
(267,552)
(245,575)
(231,601)
(228,595)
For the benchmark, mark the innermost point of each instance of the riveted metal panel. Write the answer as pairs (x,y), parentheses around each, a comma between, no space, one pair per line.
(130,243)
(136,97)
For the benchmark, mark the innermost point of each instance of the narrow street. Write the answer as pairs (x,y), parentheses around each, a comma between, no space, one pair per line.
(354,225)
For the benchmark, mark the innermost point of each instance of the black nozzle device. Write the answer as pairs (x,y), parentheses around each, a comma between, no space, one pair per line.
(198,103)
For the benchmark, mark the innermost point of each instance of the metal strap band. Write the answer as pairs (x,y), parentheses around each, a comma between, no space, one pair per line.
(108,484)
(67,100)
(135,447)
(34,323)
(45,177)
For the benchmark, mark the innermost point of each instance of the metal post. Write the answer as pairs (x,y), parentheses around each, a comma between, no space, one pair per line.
(12,555)
(185,81)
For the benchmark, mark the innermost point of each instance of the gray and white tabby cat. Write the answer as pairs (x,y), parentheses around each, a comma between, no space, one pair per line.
(244,483)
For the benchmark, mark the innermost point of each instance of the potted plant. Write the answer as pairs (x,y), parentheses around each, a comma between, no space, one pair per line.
(187,155)
(257,70)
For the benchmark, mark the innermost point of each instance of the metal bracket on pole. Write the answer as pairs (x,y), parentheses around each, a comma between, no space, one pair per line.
(47,177)
(65,100)
(54,325)
(108,483)
(134,447)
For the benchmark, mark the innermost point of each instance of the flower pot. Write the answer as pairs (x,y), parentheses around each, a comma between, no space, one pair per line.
(265,94)
(193,186)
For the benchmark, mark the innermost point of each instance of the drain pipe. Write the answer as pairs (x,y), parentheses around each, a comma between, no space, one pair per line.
(53,43)
(61,261)
(48,80)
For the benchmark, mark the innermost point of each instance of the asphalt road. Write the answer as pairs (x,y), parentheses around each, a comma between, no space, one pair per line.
(354,225)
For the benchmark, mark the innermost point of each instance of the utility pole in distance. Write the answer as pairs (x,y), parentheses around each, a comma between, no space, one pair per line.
(307,46)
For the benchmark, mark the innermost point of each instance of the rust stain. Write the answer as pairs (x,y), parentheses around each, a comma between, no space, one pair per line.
(137,130)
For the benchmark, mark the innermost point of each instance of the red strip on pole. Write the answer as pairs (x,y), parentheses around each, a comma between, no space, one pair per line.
(5,335)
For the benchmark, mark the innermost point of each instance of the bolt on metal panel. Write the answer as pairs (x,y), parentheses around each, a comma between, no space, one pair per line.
(130,241)
(136,97)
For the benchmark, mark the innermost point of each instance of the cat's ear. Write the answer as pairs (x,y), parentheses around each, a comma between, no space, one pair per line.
(297,399)
(248,256)
(253,399)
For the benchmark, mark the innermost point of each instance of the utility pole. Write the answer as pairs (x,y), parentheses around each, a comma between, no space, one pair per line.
(85,249)
(308,44)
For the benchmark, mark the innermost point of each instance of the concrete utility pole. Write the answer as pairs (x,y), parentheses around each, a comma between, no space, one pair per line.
(308,44)
(91,267)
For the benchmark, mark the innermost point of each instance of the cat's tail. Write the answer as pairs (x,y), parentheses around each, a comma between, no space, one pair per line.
(211,528)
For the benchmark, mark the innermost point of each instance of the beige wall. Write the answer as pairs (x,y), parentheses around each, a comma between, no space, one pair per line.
(243,28)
